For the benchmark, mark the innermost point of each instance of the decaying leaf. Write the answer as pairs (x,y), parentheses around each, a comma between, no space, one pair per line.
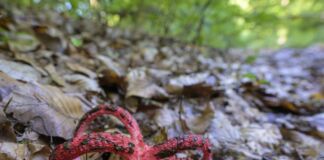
(112,66)
(50,37)
(193,85)
(80,69)
(307,146)
(22,151)
(199,124)
(30,61)
(222,132)
(113,75)
(19,71)
(141,85)
(161,136)
(47,109)
(23,42)
(50,69)
(83,82)
(317,121)
(7,133)
(264,108)
(164,117)
(261,139)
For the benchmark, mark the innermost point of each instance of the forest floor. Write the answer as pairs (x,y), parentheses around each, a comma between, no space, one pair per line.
(53,69)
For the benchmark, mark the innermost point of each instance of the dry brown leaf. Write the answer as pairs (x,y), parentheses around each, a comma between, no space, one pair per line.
(7,133)
(164,117)
(23,42)
(46,108)
(23,151)
(6,22)
(3,117)
(161,136)
(91,156)
(110,79)
(13,151)
(149,53)
(80,69)
(19,71)
(29,60)
(199,124)
(141,85)
(261,138)
(84,83)
(192,85)
(50,37)
(222,132)
(112,66)
(306,146)
(317,123)
(50,69)
(112,75)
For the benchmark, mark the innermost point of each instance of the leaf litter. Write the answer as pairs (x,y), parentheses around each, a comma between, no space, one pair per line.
(266,105)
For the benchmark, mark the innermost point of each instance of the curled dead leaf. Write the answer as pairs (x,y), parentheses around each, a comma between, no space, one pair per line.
(22,151)
(50,37)
(193,85)
(164,117)
(84,83)
(46,108)
(112,75)
(199,124)
(112,66)
(19,71)
(29,60)
(141,85)
(50,69)
(23,42)
(80,69)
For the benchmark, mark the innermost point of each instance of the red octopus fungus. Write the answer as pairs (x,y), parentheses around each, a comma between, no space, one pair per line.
(130,148)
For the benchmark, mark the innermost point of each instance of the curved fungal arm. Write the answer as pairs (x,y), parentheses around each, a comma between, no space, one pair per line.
(94,142)
(125,117)
(175,145)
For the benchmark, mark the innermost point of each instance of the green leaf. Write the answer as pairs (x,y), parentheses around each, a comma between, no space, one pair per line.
(77,42)
(250,76)
(251,59)
(263,81)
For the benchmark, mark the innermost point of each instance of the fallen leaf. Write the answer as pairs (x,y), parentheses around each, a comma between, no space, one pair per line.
(80,69)
(222,132)
(199,124)
(3,117)
(164,117)
(22,151)
(50,37)
(161,136)
(307,146)
(149,53)
(23,42)
(7,133)
(140,85)
(46,108)
(19,71)
(29,60)
(317,121)
(28,135)
(84,83)
(113,75)
(112,66)
(50,69)
(260,139)
(193,85)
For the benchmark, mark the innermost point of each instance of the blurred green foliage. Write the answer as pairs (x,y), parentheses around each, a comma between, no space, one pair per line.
(217,23)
